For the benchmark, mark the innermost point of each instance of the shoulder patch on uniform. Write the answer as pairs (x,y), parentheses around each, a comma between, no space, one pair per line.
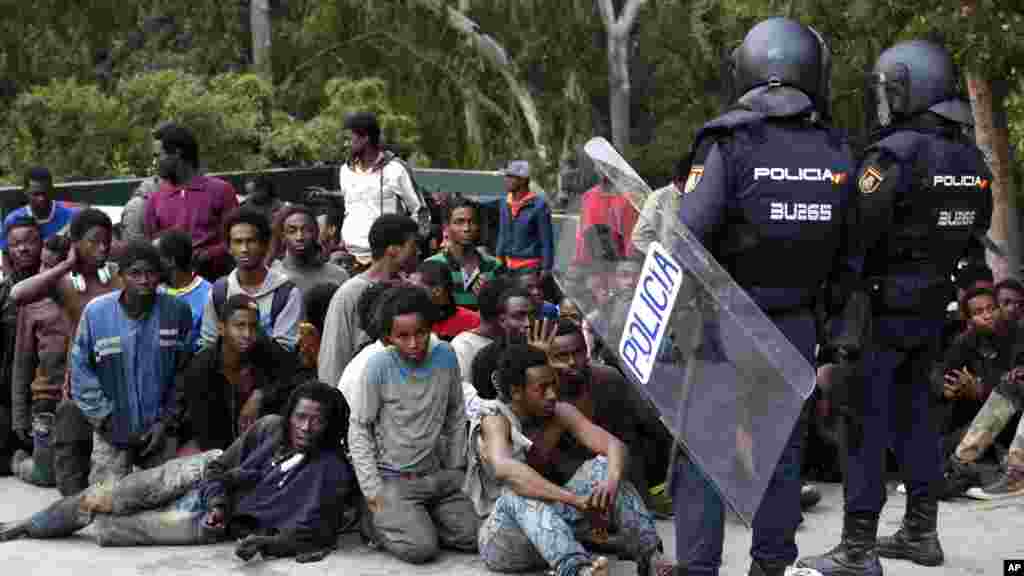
(696,173)
(870,180)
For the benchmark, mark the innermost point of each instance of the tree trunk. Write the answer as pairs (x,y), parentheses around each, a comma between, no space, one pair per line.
(259,18)
(994,140)
(618,29)
(992,134)
(619,90)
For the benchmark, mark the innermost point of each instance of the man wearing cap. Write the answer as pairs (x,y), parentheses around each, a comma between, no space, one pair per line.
(373,182)
(525,235)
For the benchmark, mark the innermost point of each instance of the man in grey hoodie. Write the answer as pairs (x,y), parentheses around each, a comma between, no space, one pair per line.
(279,300)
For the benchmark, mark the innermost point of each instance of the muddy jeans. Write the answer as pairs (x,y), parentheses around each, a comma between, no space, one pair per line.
(111,462)
(158,506)
(523,534)
(986,426)
(72,448)
(419,515)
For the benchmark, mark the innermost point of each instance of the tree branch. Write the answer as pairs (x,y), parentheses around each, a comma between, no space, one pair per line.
(309,62)
(457,79)
(629,13)
(494,53)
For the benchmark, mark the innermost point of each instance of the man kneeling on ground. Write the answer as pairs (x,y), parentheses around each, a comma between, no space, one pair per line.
(407,436)
(531,522)
(276,487)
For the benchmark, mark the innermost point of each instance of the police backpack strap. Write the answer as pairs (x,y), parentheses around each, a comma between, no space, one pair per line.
(281,295)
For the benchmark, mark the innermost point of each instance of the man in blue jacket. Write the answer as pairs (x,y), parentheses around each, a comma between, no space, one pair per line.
(129,346)
(525,235)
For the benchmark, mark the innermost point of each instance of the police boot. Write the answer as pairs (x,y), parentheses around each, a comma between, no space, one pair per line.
(917,539)
(855,555)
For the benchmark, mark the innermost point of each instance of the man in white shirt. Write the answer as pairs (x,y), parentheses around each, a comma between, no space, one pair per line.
(373,182)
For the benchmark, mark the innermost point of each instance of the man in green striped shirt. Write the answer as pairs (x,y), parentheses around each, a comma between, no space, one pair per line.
(470,268)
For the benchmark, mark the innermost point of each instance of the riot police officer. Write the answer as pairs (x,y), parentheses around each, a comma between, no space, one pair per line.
(924,201)
(768,195)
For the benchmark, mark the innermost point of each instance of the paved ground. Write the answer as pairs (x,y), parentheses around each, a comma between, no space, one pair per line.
(976,537)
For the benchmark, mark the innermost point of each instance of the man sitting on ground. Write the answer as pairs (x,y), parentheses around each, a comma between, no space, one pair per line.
(280,301)
(72,284)
(369,323)
(410,397)
(972,366)
(531,279)
(37,377)
(127,352)
(315,302)
(275,487)
(605,397)
(393,245)
(1010,297)
(450,320)
(532,523)
(230,385)
(24,246)
(470,342)
(179,278)
(302,262)
(470,268)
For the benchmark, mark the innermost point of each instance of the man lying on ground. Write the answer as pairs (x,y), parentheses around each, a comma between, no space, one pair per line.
(276,487)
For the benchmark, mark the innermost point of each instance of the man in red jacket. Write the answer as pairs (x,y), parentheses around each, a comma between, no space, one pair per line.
(189,201)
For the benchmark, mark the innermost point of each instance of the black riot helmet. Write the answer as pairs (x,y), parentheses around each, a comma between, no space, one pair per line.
(782,52)
(915,77)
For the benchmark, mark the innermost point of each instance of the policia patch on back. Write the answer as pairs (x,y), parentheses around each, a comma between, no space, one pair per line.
(870,180)
(693,179)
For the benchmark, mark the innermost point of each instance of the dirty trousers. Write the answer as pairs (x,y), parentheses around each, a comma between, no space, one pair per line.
(420,515)
(158,506)
(994,415)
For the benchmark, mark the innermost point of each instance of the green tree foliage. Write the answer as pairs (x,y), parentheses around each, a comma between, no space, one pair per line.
(81,132)
(160,59)
(74,128)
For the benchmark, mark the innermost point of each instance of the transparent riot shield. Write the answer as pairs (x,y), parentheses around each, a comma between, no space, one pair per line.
(725,381)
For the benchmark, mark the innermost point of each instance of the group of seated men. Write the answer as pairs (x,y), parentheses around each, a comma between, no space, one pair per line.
(443,398)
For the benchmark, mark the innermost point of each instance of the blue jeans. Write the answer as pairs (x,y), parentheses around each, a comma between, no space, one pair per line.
(522,534)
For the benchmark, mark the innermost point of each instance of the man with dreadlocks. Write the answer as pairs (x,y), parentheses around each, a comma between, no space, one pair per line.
(276,488)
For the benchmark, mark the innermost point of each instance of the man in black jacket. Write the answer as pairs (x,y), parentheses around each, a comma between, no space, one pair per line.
(278,488)
(227,387)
